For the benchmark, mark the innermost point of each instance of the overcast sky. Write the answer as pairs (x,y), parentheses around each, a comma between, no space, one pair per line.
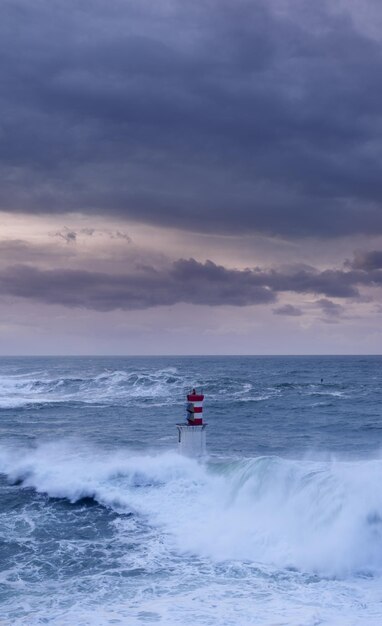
(190,177)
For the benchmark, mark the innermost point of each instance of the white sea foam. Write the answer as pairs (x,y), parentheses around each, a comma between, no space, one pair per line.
(116,385)
(318,517)
(164,385)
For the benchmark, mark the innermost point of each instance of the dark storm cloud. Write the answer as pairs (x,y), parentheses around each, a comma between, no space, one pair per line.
(331,309)
(333,283)
(213,116)
(371,260)
(185,281)
(289,310)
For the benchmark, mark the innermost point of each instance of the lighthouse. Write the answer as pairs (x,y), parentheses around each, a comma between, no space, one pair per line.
(192,433)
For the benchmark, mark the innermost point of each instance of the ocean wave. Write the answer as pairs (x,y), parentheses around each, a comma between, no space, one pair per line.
(161,385)
(316,517)
(165,384)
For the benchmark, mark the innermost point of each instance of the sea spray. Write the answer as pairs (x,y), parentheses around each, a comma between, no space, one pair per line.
(318,517)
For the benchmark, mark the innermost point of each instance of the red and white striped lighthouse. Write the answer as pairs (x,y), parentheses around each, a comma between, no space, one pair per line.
(195,408)
(192,434)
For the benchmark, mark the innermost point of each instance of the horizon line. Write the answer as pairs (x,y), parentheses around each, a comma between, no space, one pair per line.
(128,356)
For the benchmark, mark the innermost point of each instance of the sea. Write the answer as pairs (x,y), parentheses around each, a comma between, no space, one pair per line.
(103,522)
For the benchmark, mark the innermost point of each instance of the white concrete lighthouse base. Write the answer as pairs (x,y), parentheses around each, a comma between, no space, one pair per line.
(192,440)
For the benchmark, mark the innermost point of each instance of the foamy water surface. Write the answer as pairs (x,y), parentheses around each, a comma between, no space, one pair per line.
(102,522)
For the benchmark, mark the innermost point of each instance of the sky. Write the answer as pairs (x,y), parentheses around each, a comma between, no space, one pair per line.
(190,177)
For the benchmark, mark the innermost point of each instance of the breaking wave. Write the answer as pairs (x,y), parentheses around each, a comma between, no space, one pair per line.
(116,386)
(143,385)
(316,517)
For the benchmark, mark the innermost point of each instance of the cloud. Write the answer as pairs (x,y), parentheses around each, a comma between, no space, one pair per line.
(333,283)
(331,309)
(185,280)
(22,251)
(119,234)
(229,117)
(369,260)
(288,309)
(12,247)
(71,236)
(68,235)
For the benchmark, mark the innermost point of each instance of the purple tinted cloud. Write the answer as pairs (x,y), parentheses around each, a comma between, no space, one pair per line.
(289,310)
(186,281)
(210,116)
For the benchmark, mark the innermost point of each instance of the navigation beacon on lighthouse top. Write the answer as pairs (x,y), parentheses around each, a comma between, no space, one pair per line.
(192,433)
